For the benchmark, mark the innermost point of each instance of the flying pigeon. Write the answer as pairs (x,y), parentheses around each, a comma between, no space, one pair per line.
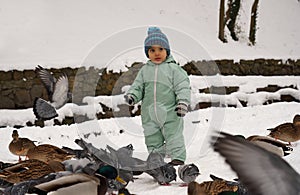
(261,171)
(188,172)
(58,93)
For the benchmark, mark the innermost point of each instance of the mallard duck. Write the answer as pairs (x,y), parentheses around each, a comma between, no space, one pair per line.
(288,132)
(58,92)
(20,145)
(81,183)
(25,170)
(261,171)
(210,187)
(48,152)
(270,144)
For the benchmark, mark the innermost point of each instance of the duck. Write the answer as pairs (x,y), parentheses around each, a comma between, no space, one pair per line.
(260,171)
(242,190)
(287,132)
(48,152)
(58,93)
(26,170)
(215,187)
(81,183)
(272,145)
(20,145)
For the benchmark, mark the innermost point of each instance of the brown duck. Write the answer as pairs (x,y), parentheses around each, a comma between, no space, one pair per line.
(19,146)
(210,187)
(288,132)
(47,153)
(29,169)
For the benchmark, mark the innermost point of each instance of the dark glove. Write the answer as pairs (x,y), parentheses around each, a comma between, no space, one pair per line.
(129,100)
(181,109)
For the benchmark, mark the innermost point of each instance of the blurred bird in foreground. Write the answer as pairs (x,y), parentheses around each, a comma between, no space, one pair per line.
(261,171)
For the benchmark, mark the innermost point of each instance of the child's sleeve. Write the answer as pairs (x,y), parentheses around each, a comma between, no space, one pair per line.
(137,87)
(182,87)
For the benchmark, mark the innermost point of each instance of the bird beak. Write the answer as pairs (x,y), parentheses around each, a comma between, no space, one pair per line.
(119,179)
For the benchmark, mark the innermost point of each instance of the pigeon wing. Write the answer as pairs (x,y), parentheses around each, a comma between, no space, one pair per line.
(47,79)
(60,94)
(259,170)
(43,110)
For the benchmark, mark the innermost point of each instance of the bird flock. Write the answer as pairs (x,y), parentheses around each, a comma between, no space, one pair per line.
(46,168)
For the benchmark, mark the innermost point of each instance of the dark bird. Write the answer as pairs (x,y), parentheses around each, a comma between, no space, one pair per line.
(261,171)
(78,153)
(161,171)
(188,172)
(27,187)
(20,145)
(288,132)
(58,93)
(121,158)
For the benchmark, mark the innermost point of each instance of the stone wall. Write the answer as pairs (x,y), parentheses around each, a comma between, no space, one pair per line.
(18,89)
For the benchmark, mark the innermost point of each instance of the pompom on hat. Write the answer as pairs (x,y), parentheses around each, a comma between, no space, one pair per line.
(156,37)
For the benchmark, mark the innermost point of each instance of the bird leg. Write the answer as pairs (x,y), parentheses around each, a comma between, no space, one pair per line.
(183,185)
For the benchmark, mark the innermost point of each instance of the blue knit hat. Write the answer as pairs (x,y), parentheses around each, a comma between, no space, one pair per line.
(156,37)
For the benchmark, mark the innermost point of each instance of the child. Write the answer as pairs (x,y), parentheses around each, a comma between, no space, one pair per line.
(164,89)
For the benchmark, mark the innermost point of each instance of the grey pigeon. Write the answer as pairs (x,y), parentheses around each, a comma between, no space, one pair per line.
(261,171)
(161,171)
(58,92)
(188,172)
(113,158)
(78,153)
(99,155)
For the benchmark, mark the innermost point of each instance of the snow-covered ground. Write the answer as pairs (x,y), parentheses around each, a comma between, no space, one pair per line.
(62,33)
(199,126)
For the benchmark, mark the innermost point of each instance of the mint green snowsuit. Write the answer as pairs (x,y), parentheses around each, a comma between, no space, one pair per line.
(161,87)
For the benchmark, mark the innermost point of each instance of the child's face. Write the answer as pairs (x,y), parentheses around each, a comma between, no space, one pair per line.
(157,54)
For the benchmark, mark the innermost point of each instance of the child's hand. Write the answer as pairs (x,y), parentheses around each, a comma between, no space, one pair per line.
(181,109)
(129,99)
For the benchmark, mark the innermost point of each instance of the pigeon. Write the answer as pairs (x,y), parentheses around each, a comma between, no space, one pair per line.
(261,171)
(111,158)
(188,172)
(58,93)
(121,158)
(78,153)
(161,171)
(98,155)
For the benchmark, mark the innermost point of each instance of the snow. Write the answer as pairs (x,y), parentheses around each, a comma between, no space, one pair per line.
(66,33)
